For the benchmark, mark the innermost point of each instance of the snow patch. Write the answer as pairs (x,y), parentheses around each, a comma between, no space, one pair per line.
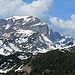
(3,53)
(14,47)
(39,24)
(27,32)
(22,57)
(7,26)
(61,41)
(7,70)
(46,39)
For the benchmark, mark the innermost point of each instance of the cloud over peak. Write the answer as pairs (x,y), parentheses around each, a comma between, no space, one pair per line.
(18,7)
(37,8)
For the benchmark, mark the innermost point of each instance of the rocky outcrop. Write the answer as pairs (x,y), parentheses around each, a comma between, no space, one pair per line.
(27,23)
(27,34)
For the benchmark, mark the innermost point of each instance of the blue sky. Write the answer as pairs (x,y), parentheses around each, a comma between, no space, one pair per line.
(59,14)
(61,8)
(28,1)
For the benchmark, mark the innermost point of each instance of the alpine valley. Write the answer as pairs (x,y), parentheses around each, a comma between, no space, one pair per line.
(29,47)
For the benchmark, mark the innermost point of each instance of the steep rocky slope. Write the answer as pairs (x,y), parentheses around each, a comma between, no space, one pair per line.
(54,62)
(24,34)
(20,38)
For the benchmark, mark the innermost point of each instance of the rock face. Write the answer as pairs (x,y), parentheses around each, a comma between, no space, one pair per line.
(24,34)
(27,23)
(57,38)
(20,38)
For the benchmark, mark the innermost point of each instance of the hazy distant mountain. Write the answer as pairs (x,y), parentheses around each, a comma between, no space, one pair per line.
(57,38)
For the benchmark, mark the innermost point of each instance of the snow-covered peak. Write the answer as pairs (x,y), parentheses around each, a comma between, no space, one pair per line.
(25,34)
(17,17)
(7,26)
(27,18)
(15,23)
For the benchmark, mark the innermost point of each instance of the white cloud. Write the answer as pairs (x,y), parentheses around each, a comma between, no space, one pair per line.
(18,7)
(37,8)
(66,27)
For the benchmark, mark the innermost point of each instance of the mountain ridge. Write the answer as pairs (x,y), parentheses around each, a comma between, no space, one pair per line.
(23,37)
(59,39)
(27,32)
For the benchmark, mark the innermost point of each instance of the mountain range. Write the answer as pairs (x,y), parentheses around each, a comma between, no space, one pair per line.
(21,37)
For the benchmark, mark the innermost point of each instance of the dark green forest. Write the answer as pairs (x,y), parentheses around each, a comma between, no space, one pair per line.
(54,62)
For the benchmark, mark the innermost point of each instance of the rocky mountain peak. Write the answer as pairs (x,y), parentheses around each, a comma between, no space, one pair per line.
(22,37)
(24,34)
(24,22)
